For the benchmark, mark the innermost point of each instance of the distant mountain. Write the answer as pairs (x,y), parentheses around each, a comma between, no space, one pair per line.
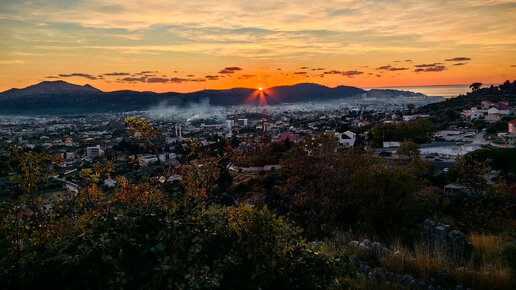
(59,97)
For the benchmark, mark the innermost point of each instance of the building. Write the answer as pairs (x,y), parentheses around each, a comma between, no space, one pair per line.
(512,126)
(493,117)
(92,152)
(242,122)
(291,137)
(347,138)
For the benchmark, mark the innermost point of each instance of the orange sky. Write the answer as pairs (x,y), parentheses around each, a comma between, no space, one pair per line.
(162,45)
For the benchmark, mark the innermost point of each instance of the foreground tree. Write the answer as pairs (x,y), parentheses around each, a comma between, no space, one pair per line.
(141,237)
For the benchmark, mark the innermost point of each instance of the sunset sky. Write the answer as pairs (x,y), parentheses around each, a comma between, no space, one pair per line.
(188,45)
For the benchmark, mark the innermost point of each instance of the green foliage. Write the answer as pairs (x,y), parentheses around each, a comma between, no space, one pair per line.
(488,212)
(417,130)
(325,189)
(409,149)
(503,159)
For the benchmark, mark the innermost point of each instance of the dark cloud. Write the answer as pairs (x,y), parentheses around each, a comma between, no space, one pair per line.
(462,58)
(320,68)
(514,65)
(198,80)
(408,60)
(332,72)
(82,75)
(51,77)
(304,67)
(178,80)
(398,68)
(300,73)
(116,74)
(379,76)
(351,73)
(396,61)
(157,80)
(419,70)
(460,63)
(436,68)
(131,79)
(384,67)
(190,76)
(230,70)
(211,78)
(428,64)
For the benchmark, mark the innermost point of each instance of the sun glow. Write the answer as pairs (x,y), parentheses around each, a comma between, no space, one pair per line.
(261,89)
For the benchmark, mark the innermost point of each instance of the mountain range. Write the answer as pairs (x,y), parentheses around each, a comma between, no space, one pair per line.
(60,97)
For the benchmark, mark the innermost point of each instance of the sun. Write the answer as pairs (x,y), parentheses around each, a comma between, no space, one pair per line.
(261,89)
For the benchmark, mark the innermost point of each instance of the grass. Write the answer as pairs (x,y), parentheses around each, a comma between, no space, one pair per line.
(485,269)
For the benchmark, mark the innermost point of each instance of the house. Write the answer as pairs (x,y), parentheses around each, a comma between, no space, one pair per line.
(512,126)
(492,111)
(503,108)
(486,105)
(493,117)
(347,138)
(453,188)
(110,182)
(291,137)
(474,113)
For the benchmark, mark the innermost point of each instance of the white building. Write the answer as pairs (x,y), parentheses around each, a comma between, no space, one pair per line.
(92,152)
(347,138)
(242,122)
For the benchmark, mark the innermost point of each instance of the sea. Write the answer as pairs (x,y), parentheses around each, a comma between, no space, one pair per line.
(445,91)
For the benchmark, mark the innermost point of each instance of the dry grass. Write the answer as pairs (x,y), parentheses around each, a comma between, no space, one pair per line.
(421,262)
(485,269)
(495,277)
(487,248)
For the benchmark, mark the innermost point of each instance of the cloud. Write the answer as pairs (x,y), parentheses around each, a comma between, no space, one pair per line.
(304,67)
(230,70)
(178,80)
(384,67)
(419,70)
(398,68)
(82,75)
(428,64)
(211,77)
(435,68)
(332,72)
(460,63)
(51,77)
(157,80)
(319,68)
(462,58)
(116,74)
(300,73)
(514,65)
(132,79)
(351,73)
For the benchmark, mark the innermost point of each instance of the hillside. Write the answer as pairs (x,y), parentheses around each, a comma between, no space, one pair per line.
(59,97)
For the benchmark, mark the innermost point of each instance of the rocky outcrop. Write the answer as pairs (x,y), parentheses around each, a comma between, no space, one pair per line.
(437,235)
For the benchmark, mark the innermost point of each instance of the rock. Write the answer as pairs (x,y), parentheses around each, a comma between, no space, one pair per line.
(365,244)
